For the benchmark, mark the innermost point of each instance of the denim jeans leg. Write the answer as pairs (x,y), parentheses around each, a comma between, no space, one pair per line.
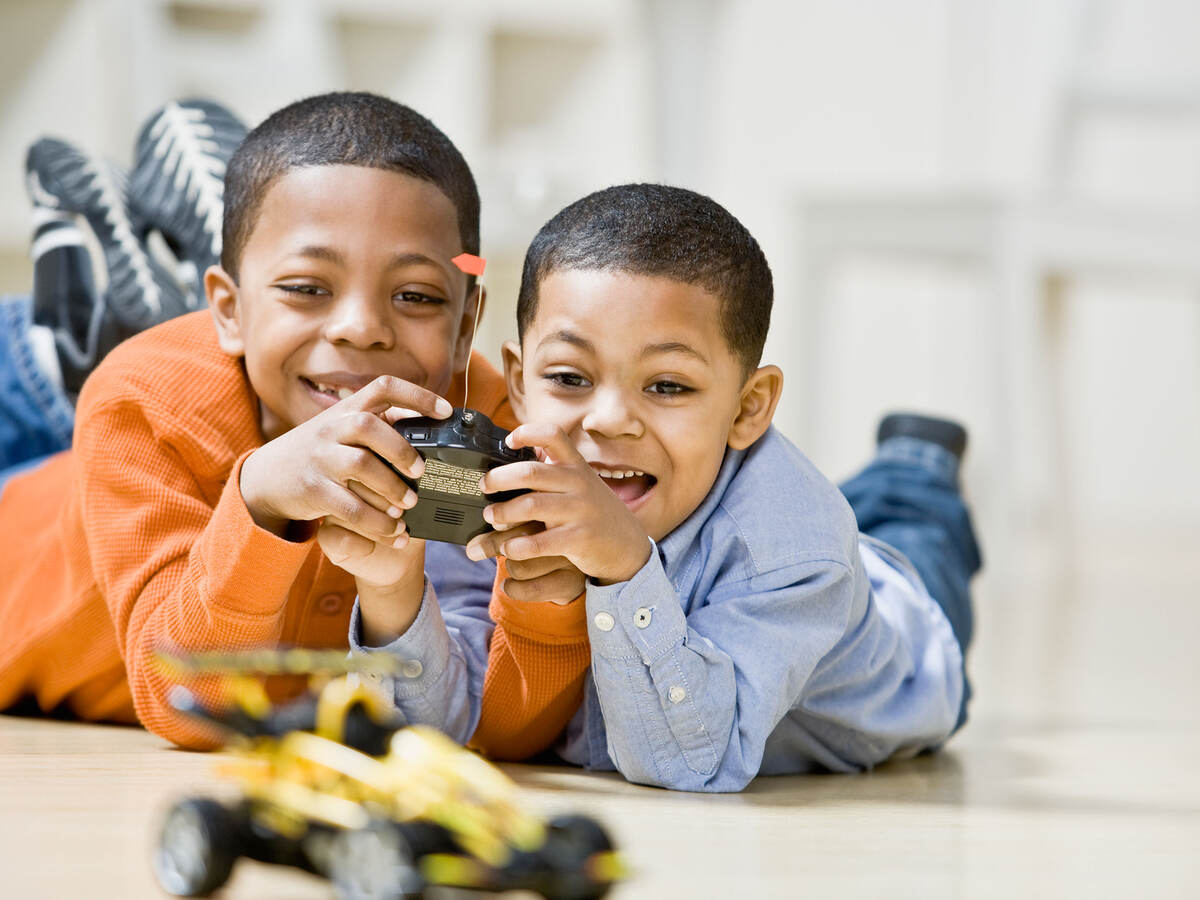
(36,419)
(908,497)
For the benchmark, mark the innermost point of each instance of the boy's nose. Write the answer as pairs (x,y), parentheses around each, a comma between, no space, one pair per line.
(611,415)
(360,321)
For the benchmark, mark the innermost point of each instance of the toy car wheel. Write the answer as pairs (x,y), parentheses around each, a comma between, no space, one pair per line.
(196,848)
(374,863)
(571,841)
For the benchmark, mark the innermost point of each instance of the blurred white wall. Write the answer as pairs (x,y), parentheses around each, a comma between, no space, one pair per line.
(969,95)
(758,102)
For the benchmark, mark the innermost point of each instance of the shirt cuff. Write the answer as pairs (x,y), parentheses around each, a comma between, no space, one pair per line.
(641,617)
(422,652)
(247,569)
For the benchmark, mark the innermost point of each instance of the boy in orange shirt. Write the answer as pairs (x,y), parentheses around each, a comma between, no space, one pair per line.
(229,484)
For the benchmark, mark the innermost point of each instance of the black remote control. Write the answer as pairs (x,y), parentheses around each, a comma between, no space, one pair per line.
(458,450)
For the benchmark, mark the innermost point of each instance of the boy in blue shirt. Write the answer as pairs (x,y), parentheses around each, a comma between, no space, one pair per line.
(735,618)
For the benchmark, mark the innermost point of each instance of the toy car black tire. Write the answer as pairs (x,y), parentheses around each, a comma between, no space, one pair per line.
(374,863)
(570,841)
(197,847)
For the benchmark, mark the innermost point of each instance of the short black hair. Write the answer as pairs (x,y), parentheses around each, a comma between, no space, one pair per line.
(342,128)
(670,232)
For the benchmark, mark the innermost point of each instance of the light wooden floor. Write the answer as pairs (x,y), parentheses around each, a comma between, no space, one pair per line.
(1079,775)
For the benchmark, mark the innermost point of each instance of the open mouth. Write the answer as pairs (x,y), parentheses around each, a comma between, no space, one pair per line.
(630,485)
(327,390)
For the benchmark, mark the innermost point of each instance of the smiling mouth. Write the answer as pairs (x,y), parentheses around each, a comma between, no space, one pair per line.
(630,485)
(327,390)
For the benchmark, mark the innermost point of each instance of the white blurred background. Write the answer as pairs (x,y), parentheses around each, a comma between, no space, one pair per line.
(982,208)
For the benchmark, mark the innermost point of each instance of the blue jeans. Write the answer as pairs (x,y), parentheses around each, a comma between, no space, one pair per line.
(909,498)
(36,418)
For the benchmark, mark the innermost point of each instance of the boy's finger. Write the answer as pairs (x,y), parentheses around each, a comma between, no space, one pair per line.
(531,546)
(395,414)
(545,507)
(560,587)
(380,537)
(487,545)
(381,442)
(395,538)
(381,503)
(346,508)
(528,475)
(482,547)
(527,569)
(340,544)
(550,438)
(387,391)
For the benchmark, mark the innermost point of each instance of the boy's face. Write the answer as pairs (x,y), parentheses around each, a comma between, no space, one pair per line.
(345,277)
(636,371)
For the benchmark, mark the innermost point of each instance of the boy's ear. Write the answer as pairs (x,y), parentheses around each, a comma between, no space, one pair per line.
(514,377)
(472,313)
(223,301)
(760,396)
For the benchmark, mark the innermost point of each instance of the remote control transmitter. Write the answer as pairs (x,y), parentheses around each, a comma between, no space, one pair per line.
(458,451)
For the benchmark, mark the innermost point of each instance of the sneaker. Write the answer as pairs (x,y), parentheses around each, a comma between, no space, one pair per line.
(943,432)
(65,298)
(90,307)
(178,184)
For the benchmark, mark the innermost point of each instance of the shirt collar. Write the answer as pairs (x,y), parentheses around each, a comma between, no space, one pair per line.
(674,549)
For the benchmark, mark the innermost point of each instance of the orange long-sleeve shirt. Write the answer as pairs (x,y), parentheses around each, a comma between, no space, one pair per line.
(537,662)
(137,538)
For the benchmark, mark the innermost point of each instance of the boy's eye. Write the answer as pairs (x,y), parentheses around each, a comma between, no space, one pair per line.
(566,379)
(304,290)
(417,297)
(668,387)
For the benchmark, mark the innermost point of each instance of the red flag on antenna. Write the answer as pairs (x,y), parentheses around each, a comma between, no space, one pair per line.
(471,264)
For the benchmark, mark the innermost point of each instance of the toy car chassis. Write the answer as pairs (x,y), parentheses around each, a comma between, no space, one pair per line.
(424,812)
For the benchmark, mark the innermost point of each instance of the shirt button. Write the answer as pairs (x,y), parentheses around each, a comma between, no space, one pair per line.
(411,668)
(604,621)
(330,604)
(641,618)
(676,693)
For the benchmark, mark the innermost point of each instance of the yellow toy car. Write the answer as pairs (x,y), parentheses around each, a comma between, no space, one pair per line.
(331,783)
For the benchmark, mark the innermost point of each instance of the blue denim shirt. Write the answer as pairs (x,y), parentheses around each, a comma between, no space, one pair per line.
(443,655)
(765,635)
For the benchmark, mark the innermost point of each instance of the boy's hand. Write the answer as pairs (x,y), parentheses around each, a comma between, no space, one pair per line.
(553,579)
(390,578)
(374,563)
(585,522)
(333,465)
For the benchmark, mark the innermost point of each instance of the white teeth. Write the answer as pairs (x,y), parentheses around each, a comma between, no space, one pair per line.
(630,473)
(340,393)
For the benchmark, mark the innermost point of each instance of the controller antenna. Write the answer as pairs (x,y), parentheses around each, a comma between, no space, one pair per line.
(469,264)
